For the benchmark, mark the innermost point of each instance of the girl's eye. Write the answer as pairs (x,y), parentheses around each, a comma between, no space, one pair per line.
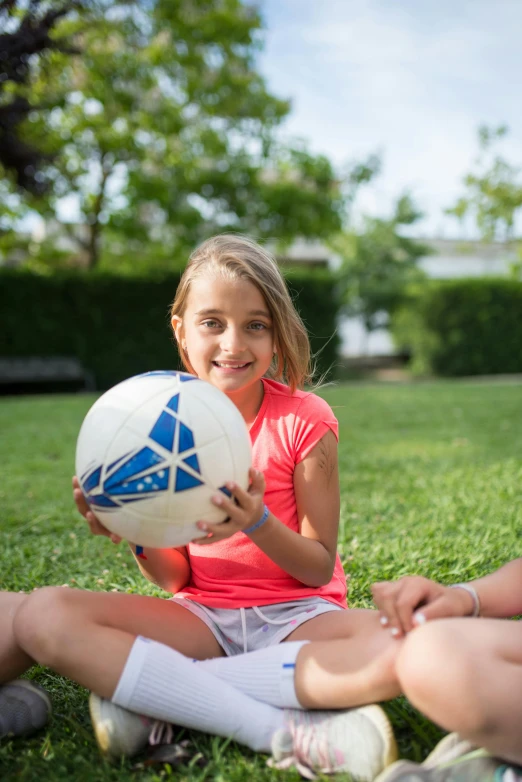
(258,326)
(211,324)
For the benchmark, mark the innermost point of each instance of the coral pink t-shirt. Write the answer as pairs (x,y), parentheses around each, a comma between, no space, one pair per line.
(235,573)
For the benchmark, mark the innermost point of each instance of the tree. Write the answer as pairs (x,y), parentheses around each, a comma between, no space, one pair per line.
(26,36)
(493,195)
(379,263)
(163,132)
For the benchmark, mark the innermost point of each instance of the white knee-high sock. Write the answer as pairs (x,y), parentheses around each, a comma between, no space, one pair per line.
(266,674)
(161,683)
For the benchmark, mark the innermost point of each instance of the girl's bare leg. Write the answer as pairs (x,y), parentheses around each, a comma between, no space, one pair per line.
(13,661)
(87,636)
(350,662)
(466,675)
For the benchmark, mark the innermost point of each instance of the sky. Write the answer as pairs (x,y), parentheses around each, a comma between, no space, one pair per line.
(410,79)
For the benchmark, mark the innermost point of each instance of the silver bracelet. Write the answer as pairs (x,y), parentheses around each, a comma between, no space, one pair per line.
(471,591)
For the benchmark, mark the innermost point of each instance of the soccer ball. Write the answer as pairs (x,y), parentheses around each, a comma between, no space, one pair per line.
(154,449)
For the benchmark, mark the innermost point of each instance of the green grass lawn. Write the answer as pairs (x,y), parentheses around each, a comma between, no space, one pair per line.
(431,478)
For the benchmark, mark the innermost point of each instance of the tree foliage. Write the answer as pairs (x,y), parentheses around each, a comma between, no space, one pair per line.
(378,263)
(493,191)
(162,132)
(26,35)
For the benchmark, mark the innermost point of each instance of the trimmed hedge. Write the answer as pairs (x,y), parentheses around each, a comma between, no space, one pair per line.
(119,326)
(463,327)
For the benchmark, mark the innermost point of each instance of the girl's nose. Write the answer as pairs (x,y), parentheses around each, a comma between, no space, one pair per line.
(232,340)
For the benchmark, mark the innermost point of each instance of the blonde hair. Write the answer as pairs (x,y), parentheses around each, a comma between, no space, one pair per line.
(238,257)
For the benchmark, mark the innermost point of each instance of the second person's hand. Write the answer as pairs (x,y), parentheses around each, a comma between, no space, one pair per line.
(413,600)
(95,525)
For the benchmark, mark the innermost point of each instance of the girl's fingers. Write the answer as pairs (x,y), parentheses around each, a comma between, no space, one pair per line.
(95,526)
(226,504)
(244,500)
(79,498)
(211,533)
(243,497)
(234,510)
(76,482)
(80,502)
(257,486)
(238,508)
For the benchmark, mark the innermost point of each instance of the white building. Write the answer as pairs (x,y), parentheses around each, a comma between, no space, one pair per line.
(450,259)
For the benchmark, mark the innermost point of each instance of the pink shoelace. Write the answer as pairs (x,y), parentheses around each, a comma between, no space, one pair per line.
(306,734)
(161,733)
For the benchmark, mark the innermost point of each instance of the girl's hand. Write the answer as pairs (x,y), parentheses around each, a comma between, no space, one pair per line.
(243,513)
(95,525)
(413,600)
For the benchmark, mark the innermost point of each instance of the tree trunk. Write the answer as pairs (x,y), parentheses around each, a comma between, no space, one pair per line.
(95,227)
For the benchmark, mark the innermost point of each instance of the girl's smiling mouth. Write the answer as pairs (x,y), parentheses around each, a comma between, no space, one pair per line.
(231,366)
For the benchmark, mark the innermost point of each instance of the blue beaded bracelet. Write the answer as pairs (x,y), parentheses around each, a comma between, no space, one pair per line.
(266,514)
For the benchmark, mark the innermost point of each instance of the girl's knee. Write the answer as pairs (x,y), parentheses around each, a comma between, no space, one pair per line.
(37,623)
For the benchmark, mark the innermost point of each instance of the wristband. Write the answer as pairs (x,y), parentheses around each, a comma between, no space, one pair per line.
(266,514)
(471,591)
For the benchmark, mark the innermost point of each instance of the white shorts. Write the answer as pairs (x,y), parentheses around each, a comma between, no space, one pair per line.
(239,630)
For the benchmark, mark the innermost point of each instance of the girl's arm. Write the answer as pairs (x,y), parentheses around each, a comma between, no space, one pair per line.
(168,568)
(307,555)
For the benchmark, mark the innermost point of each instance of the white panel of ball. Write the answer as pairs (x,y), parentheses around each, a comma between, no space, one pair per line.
(119,425)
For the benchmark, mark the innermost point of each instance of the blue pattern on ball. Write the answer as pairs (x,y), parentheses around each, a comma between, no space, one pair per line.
(129,479)
(164,431)
(184,481)
(143,460)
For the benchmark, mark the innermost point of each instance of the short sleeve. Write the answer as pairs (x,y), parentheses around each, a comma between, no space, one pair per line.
(313,418)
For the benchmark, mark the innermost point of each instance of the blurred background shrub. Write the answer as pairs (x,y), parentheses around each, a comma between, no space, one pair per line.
(462,327)
(119,326)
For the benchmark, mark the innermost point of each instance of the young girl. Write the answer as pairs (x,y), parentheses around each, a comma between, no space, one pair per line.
(268,575)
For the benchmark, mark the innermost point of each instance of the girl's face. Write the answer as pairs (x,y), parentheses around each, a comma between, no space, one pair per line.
(227,333)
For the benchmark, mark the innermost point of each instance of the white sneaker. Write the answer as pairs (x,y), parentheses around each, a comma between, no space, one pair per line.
(122,732)
(448,749)
(357,741)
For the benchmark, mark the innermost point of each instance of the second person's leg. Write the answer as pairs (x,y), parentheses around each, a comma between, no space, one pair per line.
(466,675)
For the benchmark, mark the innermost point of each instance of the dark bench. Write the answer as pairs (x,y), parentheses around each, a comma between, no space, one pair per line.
(43,373)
